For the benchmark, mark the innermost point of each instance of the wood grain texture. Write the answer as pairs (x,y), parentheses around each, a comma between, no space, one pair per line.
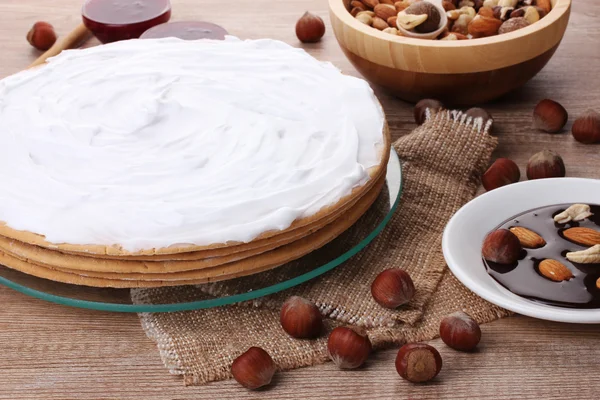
(55,352)
(460,73)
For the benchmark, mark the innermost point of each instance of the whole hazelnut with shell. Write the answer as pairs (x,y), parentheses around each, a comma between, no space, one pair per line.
(41,36)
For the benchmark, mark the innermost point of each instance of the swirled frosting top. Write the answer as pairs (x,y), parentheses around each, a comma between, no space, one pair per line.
(152,143)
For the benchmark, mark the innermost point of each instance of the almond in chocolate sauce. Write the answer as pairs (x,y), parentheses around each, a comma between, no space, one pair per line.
(524,278)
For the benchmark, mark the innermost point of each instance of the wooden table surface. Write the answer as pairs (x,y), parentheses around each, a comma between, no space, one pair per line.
(55,352)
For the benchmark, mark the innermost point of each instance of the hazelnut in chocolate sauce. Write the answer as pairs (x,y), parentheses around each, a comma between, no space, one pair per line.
(576,286)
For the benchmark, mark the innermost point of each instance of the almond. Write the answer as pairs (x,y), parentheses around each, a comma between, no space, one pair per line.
(391,2)
(555,271)
(358,4)
(392,21)
(370,3)
(582,236)
(401,5)
(379,23)
(482,26)
(528,238)
(385,11)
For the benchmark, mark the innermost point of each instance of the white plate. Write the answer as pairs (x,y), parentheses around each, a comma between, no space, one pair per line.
(464,235)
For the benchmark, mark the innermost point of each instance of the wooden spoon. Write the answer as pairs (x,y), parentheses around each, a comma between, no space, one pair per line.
(77,37)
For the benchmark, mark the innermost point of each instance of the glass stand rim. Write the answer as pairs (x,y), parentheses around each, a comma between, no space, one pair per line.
(394,171)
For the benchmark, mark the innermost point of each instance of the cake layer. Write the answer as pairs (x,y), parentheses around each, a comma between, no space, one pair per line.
(166,146)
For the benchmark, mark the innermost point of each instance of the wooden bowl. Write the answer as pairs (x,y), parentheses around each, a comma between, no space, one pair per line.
(459,73)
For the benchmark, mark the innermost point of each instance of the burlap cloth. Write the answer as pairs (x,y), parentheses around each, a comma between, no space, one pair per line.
(442,164)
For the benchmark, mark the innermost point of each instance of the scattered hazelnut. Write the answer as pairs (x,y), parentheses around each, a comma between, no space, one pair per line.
(545,164)
(501,173)
(393,288)
(477,112)
(586,128)
(253,369)
(348,348)
(310,28)
(513,24)
(460,331)
(418,362)
(422,106)
(300,318)
(502,247)
(549,116)
(423,17)
(41,36)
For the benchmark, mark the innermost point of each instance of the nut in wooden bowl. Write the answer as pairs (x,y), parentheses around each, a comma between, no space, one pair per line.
(457,72)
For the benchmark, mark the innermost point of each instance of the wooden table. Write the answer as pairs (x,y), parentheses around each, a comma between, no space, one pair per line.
(54,352)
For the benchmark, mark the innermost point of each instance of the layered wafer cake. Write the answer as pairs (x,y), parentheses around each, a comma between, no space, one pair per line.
(168,162)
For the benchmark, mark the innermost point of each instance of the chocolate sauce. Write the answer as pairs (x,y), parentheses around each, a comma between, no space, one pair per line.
(523,277)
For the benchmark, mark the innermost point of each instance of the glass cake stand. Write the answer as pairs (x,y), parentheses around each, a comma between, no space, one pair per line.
(237,290)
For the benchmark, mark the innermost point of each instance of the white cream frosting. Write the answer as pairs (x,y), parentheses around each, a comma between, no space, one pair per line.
(151,143)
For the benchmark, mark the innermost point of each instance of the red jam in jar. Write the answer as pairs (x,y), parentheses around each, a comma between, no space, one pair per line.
(112,20)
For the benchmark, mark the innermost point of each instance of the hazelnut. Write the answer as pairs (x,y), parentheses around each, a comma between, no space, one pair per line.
(501,247)
(513,24)
(549,116)
(253,369)
(41,36)
(300,318)
(385,11)
(586,128)
(393,288)
(460,331)
(310,28)
(501,173)
(412,17)
(418,362)
(545,164)
(422,106)
(348,348)
(477,112)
